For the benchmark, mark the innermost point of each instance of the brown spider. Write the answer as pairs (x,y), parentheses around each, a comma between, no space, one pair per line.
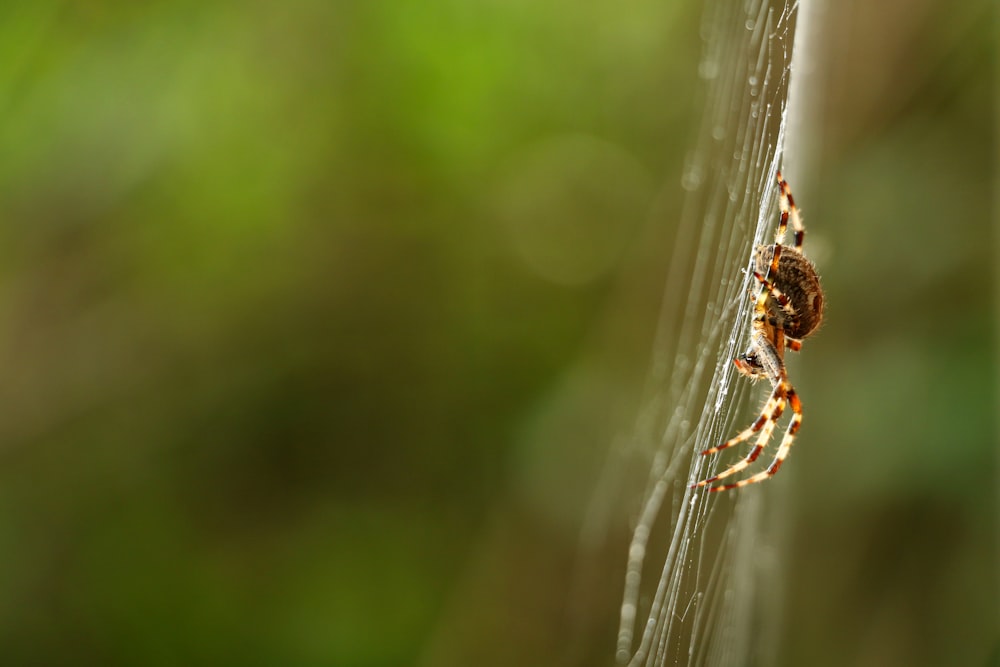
(788,307)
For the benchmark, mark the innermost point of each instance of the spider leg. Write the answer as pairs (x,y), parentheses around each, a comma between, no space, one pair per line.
(776,294)
(770,420)
(786,203)
(793,345)
(783,449)
(772,269)
(768,359)
(772,410)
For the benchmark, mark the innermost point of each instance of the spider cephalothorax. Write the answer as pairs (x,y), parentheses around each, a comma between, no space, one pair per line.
(788,307)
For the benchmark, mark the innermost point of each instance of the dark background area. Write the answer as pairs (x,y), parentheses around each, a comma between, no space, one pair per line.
(317,321)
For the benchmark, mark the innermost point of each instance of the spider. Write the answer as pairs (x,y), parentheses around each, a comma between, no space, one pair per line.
(788,306)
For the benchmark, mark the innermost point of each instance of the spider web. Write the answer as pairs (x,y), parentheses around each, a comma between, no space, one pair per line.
(701,584)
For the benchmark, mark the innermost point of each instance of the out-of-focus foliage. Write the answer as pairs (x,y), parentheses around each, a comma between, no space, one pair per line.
(282,283)
(317,320)
(894,546)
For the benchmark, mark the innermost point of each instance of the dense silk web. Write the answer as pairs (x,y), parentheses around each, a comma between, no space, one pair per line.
(700,581)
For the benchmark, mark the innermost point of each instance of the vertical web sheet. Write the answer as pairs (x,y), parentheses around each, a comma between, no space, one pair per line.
(700,580)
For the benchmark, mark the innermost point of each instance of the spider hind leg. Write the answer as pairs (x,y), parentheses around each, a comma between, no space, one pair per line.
(786,204)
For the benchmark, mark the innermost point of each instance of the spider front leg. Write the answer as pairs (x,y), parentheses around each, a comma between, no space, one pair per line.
(765,424)
(783,449)
(767,363)
(772,410)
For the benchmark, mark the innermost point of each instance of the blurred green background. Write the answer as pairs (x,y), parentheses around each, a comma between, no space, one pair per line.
(319,319)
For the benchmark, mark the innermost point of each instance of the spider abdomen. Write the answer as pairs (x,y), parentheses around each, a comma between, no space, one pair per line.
(796,278)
